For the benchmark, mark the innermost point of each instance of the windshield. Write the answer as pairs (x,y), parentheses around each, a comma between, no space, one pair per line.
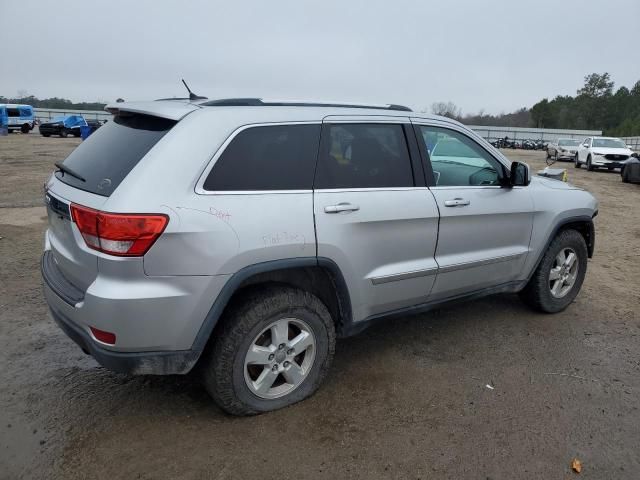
(568,143)
(608,143)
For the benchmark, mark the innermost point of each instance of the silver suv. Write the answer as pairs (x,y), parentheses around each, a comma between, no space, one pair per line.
(243,236)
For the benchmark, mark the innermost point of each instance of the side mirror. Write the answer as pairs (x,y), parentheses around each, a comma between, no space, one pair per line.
(520,175)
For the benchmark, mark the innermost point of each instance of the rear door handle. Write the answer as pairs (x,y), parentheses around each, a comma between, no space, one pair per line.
(341,207)
(456,202)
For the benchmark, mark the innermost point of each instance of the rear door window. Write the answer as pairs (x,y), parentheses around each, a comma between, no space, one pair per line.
(13,112)
(107,157)
(367,155)
(278,157)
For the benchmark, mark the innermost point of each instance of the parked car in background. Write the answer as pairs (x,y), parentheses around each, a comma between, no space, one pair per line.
(20,117)
(92,126)
(246,235)
(563,149)
(630,169)
(63,126)
(606,152)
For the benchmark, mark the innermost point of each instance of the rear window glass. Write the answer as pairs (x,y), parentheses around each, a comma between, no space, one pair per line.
(279,157)
(107,157)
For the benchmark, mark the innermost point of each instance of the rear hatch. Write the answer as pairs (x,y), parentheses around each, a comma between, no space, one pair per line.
(87,177)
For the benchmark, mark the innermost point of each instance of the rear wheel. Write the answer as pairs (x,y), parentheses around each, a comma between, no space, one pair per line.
(558,278)
(273,349)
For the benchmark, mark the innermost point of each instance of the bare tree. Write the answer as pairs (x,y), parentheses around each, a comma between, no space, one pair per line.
(446,109)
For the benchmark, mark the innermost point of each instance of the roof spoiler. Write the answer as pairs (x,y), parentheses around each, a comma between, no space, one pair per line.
(170,110)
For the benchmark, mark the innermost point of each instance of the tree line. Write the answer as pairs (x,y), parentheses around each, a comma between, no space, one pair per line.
(54,102)
(596,106)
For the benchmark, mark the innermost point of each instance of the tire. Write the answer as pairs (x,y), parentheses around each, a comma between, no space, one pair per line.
(538,292)
(625,178)
(589,166)
(577,162)
(25,128)
(64,133)
(46,134)
(245,322)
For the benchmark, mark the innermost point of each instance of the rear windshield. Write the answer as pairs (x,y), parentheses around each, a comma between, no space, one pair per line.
(107,157)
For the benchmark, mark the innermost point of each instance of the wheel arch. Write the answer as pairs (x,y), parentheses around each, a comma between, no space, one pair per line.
(319,276)
(582,224)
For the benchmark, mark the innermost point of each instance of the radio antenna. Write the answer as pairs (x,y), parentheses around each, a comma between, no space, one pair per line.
(192,96)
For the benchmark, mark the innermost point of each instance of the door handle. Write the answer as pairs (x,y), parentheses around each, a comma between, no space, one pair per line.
(341,207)
(456,202)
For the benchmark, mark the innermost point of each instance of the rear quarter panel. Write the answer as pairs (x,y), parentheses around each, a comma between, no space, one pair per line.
(216,233)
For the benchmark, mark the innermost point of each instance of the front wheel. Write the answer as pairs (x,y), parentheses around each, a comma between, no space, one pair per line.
(589,164)
(273,349)
(559,276)
(576,161)
(64,133)
(25,128)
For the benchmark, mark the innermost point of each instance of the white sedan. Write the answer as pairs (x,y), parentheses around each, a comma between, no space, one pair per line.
(563,148)
(598,152)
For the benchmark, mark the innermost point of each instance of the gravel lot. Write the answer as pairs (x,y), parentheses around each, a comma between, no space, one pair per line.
(406,399)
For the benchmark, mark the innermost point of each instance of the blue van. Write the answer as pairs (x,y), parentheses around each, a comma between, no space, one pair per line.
(19,117)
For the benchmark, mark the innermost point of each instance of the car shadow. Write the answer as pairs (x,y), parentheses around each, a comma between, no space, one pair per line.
(434,336)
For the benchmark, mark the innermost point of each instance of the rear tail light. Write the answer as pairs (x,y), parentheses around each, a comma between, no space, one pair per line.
(121,234)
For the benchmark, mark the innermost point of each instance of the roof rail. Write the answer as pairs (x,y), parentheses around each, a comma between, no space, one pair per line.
(182,99)
(258,102)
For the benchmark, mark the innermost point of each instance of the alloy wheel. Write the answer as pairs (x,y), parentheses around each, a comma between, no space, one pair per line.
(279,358)
(563,273)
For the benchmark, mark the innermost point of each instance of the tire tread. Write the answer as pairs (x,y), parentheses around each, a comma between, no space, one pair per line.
(244,313)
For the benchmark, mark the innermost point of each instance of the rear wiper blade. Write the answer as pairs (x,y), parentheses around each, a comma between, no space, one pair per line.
(64,169)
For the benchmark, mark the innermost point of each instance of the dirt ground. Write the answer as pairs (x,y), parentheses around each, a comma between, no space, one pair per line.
(405,399)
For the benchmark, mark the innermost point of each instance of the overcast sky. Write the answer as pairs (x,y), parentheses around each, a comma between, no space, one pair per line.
(492,55)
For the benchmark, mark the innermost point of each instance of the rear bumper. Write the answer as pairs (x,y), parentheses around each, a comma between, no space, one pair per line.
(142,363)
(157,320)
